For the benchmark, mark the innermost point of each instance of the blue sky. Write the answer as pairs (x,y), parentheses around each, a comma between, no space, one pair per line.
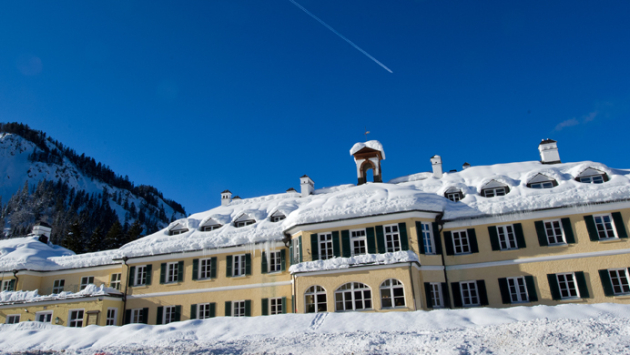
(200,96)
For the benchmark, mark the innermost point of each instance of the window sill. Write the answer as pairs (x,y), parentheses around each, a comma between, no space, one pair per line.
(558,245)
(358,310)
(205,279)
(462,254)
(400,308)
(140,286)
(623,296)
(609,240)
(572,300)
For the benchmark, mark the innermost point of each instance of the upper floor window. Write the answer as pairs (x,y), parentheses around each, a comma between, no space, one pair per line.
(238,265)
(358,242)
(44,317)
(76,319)
(13,319)
(243,220)
(461,244)
(454,194)
(205,268)
(555,233)
(58,286)
(315,300)
(115,281)
(172,272)
(605,227)
(507,239)
(177,229)
(392,294)
(392,238)
(326,246)
(494,188)
(86,280)
(353,296)
(210,227)
(592,176)
(277,217)
(427,238)
(8,285)
(140,277)
(541,181)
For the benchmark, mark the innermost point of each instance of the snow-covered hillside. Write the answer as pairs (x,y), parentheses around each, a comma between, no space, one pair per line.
(565,329)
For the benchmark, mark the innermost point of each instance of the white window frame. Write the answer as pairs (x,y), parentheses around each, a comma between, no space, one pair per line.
(5,285)
(243,223)
(210,228)
(366,302)
(111,316)
(555,236)
(140,277)
(202,309)
(427,238)
(592,179)
(44,313)
(394,284)
(275,305)
(542,185)
(277,217)
(238,308)
(359,239)
(436,293)
(314,291)
(620,274)
(392,237)
(296,250)
(494,192)
(325,246)
(136,316)
(568,283)
(518,292)
(114,281)
(469,287)
(603,225)
(454,196)
(464,242)
(86,280)
(72,322)
(172,273)
(205,269)
(504,237)
(275,262)
(11,319)
(240,261)
(60,285)
(168,315)
(178,231)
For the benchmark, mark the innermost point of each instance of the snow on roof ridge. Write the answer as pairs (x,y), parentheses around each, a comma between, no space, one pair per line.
(373,144)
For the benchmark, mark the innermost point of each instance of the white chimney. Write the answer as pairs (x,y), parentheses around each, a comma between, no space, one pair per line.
(226,197)
(436,162)
(42,228)
(465,166)
(307,185)
(548,149)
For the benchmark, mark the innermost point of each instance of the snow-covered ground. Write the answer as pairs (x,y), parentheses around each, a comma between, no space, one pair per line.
(567,329)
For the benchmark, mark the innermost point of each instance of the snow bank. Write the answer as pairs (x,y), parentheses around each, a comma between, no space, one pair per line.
(12,297)
(359,260)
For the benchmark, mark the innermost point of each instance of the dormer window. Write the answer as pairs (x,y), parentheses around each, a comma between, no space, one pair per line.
(243,220)
(541,181)
(177,229)
(494,188)
(454,194)
(210,225)
(592,176)
(277,217)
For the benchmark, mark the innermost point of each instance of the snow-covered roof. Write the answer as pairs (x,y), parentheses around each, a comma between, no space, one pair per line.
(19,297)
(376,145)
(28,253)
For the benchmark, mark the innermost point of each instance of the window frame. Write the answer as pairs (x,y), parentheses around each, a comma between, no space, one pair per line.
(6,284)
(61,284)
(11,319)
(437,294)
(85,281)
(541,185)
(462,238)
(352,293)
(510,244)
(627,281)
(238,305)
(241,270)
(168,314)
(325,247)
(205,266)
(202,309)
(612,225)
(316,301)
(467,301)
(573,281)
(113,319)
(44,313)
(75,321)
(563,234)
(136,316)
(591,179)
(518,294)
(358,238)
(391,287)
(455,196)
(277,308)
(296,249)
(494,191)
(275,262)
(395,238)
(210,228)
(115,284)
(241,224)
(140,277)
(172,273)
(428,241)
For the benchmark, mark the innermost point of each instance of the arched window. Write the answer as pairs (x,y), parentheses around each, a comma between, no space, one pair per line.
(315,299)
(392,294)
(353,296)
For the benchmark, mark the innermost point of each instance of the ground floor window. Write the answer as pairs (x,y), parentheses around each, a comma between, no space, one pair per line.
(619,280)
(169,314)
(518,290)
(13,319)
(205,311)
(76,319)
(275,305)
(567,284)
(353,296)
(111,316)
(238,309)
(392,294)
(45,317)
(470,295)
(315,300)
(436,295)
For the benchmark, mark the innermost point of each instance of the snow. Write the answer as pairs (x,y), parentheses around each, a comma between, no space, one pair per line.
(29,253)
(359,260)
(571,328)
(373,144)
(13,297)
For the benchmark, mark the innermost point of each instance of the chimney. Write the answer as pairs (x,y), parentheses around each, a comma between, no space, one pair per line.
(548,149)
(465,166)
(436,162)
(307,185)
(226,197)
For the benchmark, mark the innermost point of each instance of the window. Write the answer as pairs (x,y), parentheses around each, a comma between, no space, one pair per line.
(178,231)
(210,228)
(44,317)
(470,296)
(115,281)
(315,300)
(277,217)
(619,280)
(392,238)
(136,316)
(238,309)
(205,268)
(436,295)
(542,185)
(518,289)
(240,224)
(275,306)
(13,319)
(7,285)
(507,240)
(568,287)
(460,242)
(86,280)
(595,179)
(238,265)
(454,196)
(357,241)
(554,231)
(76,319)
(204,311)
(111,316)
(392,294)
(604,225)
(427,238)
(141,275)
(353,296)
(497,191)
(275,262)
(58,286)
(172,272)
(325,246)
(169,314)
(296,249)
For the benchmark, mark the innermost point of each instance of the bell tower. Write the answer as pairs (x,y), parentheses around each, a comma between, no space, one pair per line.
(368,156)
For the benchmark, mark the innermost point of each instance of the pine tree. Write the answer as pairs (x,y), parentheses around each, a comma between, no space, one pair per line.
(96,240)
(114,236)
(134,232)
(74,238)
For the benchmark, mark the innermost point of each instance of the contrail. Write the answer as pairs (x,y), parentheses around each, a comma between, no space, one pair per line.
(340,35)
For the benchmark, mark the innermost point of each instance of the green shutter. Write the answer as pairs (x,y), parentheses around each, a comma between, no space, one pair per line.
(404,239)
(180,271)
(284,305)
(494,237)
(520,236)
(380,239)
(445,295)
(248,264)
(149,272)
(228,266)
(428,294)
(505,291)
(213,310)
(195,274)
(178,313)
(228,308)
(553,286)
(193,311)
(531,288)
(283,263)
(581,282)
(132,275)
(568,230)
(345,241)
(457,296)
(336,249)
(590,227)
(314,247)
(160,312)
(542,233)
(448,245)
(265,306)
(604,275)
(371,245)
(300,248)
(213,267)
(127,317)
(619,225)
(483,295)
(420,241)
(145,315)
(162,273)
(248,308)
(293,304)
(437,240)
(263,263)
(472,239)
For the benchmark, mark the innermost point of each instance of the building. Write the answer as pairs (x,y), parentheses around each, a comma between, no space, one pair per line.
(529,233)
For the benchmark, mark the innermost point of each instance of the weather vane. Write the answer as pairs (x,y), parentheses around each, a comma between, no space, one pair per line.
(366,133)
